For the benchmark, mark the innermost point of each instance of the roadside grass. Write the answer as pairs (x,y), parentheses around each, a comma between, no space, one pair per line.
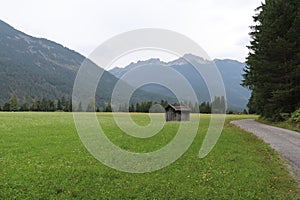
(42,157)
(284,124)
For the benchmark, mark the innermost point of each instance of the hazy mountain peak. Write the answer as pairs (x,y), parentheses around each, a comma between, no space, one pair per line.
(198,59)
(186,59)
(230,70)
(150,61)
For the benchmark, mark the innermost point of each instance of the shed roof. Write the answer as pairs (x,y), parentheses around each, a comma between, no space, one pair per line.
(179,108)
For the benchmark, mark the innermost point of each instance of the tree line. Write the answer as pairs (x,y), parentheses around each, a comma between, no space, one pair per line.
(65,104)
(217,106)
(36,104)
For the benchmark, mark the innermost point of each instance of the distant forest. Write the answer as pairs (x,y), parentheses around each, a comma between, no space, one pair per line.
(63,104)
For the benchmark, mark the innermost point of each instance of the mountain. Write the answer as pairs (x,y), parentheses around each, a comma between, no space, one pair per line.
(35,66)
(230,70)
(42,68)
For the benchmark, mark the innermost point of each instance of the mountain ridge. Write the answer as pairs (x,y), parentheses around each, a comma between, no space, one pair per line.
(230,70)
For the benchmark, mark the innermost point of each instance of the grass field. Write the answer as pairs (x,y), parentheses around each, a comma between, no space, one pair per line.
(42,157)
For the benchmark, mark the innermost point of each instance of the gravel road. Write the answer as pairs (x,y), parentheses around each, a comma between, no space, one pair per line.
(286,142)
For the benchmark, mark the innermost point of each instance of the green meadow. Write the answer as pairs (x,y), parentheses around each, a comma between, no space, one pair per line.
(42,157)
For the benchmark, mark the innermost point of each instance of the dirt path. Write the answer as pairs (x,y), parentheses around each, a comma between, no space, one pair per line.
(286,142)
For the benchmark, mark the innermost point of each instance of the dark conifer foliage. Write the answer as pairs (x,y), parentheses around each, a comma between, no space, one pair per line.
(273,72)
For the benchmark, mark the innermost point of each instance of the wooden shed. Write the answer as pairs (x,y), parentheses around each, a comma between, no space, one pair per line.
(177,113)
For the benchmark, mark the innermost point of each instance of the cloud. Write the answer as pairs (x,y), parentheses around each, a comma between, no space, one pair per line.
(220,27)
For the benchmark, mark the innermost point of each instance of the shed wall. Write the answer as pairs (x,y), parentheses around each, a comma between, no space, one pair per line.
(172,115)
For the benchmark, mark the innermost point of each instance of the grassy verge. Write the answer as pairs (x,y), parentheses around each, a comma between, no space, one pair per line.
(42,157)
(285,124)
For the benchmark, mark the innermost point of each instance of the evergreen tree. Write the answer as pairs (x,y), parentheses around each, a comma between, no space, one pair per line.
(218,105)
(108,108)
(164,103)
(68,106)
(195,109)
(14,102)
(273,71)
(6,107)
(59,106)
(51,105)
(205,108)
(190,105)
(91,106)
(131,108)
(44,105)
(137,107)
(63,103)
(36,104)
(26,104)
(79,107)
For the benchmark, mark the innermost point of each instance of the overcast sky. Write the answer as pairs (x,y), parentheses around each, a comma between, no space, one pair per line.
(220,27)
